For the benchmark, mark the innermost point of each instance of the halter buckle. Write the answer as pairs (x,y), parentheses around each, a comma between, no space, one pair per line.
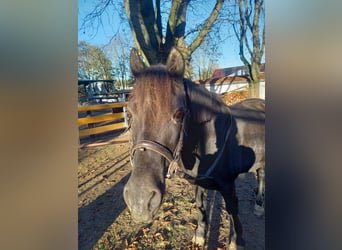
(172,169)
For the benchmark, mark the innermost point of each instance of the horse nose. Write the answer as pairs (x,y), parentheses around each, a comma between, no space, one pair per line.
(143,204)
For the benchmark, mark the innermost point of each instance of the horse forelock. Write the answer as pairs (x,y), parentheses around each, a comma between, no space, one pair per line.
(153,93)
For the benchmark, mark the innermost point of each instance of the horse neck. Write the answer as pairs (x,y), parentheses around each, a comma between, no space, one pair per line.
(209,117)
(204,105)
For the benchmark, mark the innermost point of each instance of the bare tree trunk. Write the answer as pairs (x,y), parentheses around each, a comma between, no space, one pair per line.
(254,84)
(155,40)
(146,27)
(256,51)
(254,90)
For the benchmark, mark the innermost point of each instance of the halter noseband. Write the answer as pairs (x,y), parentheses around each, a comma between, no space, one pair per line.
(142,145)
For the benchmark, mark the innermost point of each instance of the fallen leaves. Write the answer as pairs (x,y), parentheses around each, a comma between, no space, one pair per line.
(175,223)
(235,96)
(169,230)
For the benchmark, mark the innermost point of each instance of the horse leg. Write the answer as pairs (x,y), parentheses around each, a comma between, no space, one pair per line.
(199,237)
(229,195)
(259,209)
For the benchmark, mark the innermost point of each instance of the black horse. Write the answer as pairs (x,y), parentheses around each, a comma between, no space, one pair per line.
(178,127)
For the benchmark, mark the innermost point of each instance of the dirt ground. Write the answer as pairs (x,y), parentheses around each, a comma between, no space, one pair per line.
(104,221)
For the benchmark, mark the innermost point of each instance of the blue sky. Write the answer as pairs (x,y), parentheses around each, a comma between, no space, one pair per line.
(229,49)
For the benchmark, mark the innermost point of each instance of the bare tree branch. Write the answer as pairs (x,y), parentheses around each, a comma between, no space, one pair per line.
(94,19)
(206,27)
(159,27)
(251,40)
(146,18)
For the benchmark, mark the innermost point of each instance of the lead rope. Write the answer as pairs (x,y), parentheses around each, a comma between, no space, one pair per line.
(212,167)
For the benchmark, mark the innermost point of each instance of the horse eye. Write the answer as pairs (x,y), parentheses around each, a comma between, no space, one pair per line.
(178,115)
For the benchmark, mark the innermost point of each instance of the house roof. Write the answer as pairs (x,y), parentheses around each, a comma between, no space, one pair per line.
(227,79)
(233,70)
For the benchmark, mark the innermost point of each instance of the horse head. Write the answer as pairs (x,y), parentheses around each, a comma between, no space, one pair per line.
(157,112)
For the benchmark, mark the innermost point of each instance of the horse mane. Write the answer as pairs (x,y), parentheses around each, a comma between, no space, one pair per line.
(153,92)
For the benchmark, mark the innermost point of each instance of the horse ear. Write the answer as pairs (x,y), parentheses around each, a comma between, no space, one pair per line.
(137,65)
(175,64)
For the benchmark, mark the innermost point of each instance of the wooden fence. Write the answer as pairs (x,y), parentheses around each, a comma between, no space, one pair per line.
(102,118)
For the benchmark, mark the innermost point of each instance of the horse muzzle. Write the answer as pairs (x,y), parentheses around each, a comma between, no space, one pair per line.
(143,204)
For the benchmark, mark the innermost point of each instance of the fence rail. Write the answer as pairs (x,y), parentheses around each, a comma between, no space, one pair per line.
(102,118)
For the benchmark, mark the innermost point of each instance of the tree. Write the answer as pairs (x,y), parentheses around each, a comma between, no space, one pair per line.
(157,26)
(92,63)
(204,60)
(146,22)
(250,31)
(118,51)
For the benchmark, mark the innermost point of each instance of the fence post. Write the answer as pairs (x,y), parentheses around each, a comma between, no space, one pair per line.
(125,115)
(90,125)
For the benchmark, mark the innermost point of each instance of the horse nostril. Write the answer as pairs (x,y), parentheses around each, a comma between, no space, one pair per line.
(154,201)
(150,203)
(126,197)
